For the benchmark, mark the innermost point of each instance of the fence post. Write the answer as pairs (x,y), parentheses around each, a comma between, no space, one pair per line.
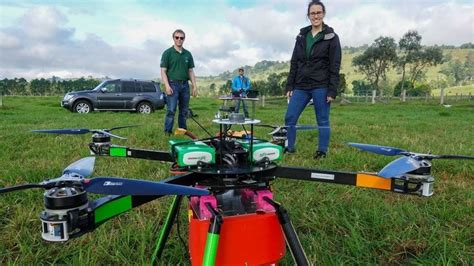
(374,93)
(442,97)
(427,95)
(1,99)
(404,94)
(263,100)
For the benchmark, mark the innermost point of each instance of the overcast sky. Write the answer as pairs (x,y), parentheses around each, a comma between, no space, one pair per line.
(125,38)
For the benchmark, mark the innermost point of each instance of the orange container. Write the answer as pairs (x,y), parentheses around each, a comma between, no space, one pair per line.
(250,239)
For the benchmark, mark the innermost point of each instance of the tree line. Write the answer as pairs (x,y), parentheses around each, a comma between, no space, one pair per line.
(20,86)
(412,60)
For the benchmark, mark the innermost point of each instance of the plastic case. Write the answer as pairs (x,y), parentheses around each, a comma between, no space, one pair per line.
(189,153)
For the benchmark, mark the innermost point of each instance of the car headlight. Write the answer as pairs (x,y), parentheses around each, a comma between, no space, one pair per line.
(67,97)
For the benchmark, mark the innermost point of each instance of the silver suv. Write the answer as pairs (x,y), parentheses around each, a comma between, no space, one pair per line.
(117,95)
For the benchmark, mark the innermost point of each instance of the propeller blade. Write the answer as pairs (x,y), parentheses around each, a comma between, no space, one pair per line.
(399,167)
(115,128)
(71,131)
(108,134)
(20,187)
(264,125)
(383,150)
(134,187)
(306,127)
(275,131)
(83,167)
(453,157)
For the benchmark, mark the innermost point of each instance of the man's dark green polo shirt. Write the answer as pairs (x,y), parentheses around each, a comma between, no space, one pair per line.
(177,64)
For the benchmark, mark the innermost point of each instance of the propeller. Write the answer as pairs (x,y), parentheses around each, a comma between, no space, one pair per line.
(277,128)
(78,131)
(411,162)
(135,187)
(382,150)
(400,167)
(76,175)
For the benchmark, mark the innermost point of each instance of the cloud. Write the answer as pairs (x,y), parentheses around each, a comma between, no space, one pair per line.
(127,40)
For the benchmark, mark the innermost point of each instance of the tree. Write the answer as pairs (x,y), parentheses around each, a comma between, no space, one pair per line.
(429,56)
(376,60)
(212,88)
(342,83)
(410,44)
(402,85)
(361,88)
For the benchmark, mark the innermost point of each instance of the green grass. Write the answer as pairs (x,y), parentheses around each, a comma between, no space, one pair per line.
(336,224)
(457,90)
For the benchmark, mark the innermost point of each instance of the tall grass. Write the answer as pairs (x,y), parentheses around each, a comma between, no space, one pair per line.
(336,224)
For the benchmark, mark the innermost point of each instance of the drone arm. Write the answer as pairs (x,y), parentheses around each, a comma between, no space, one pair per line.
(122,151)
(345,178)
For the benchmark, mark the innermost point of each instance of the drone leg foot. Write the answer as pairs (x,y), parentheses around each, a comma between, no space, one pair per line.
(290,234)
(212,242)
(172,214)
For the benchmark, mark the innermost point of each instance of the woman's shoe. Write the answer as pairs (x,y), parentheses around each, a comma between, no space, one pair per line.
(319,155)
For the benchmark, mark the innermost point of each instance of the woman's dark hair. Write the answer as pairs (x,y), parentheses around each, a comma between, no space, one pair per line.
(316,2)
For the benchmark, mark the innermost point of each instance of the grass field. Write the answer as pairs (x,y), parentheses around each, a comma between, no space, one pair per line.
(336,224)
(458,90)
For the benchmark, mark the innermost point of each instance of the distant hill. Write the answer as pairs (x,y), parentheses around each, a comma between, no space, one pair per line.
(261,70)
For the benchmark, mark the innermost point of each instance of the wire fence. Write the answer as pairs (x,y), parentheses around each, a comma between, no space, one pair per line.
(373,98)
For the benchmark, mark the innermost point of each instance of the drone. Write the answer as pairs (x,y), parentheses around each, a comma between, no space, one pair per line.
(227,179)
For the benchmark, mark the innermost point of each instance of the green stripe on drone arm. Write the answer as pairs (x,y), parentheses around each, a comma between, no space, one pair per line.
(112,208)
(118,151)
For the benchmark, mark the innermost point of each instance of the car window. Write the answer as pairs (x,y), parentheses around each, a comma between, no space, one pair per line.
(112,87)
(148,87)
(129,86)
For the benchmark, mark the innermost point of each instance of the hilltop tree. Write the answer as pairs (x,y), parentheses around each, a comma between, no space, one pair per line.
(429,56)
(410,45)
(376,60)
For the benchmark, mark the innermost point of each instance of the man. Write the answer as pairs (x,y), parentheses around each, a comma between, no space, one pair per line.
(240,86)
(176,70)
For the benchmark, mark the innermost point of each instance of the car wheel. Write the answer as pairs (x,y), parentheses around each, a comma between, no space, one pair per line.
(144,108)
(82,107)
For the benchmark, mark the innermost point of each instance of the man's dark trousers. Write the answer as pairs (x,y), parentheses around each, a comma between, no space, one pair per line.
(179,97)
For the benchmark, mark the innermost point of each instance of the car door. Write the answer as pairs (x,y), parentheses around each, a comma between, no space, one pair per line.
(110,96)
(130,90)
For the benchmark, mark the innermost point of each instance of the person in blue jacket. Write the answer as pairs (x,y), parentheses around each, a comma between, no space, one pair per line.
(240,87)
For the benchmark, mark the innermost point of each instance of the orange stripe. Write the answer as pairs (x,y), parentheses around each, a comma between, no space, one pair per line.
(373,181)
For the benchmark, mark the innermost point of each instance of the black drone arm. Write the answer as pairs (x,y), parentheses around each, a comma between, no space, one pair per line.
(362,180)
(122,151)
(344,178)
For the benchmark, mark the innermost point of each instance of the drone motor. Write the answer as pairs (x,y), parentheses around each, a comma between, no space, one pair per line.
(100,144)
(61,205)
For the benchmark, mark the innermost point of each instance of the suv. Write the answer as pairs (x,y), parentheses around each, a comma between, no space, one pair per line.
(117,95)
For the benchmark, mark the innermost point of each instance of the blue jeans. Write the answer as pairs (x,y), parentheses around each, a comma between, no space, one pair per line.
(180,97)
(298,102)
(237,107)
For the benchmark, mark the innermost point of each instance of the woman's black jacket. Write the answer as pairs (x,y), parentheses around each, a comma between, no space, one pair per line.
(322,67)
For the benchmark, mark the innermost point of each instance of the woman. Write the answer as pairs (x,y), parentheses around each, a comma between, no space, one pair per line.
(314,74)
